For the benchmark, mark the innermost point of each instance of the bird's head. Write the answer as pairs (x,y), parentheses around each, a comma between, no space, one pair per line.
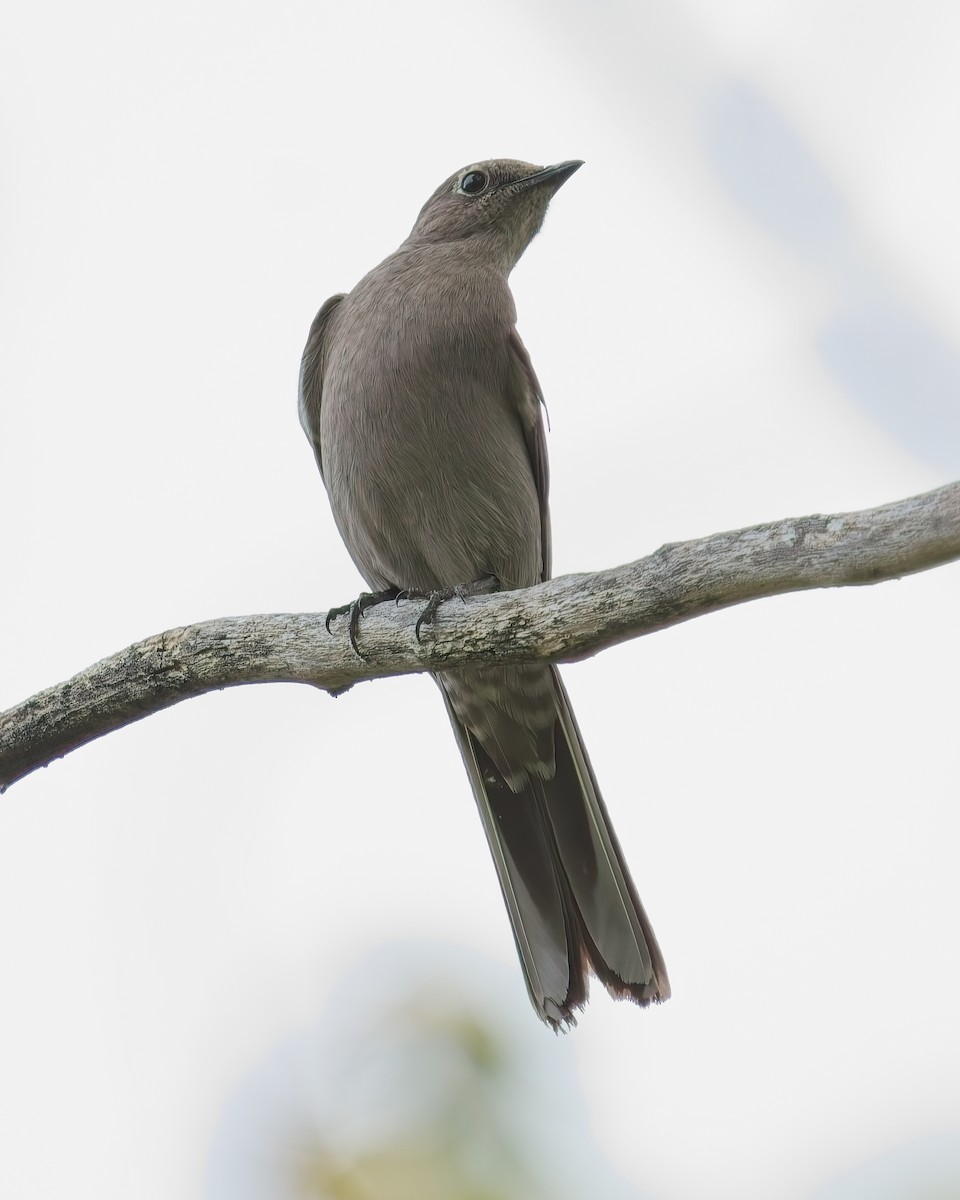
(500,204)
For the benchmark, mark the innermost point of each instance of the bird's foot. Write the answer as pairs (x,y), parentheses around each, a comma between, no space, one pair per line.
(356,609)
(477,587)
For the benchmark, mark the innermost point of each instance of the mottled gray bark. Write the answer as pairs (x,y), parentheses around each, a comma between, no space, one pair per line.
(561,620)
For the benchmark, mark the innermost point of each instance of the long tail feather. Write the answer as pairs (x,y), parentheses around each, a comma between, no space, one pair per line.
(572,904)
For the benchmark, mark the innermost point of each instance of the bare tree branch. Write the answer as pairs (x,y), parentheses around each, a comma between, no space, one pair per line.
(564,619)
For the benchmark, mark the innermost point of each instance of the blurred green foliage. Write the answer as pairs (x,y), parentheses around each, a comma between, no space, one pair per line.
(451,1134)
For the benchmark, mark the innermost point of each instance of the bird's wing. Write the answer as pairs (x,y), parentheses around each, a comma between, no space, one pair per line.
(311,375)
(531,408)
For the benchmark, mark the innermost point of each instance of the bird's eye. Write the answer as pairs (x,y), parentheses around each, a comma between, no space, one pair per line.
(473,183)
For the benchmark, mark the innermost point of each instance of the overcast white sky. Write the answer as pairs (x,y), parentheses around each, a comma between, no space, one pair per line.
(745,306)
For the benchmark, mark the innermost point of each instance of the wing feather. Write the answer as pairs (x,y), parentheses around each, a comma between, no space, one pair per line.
(310,393)
(531,409)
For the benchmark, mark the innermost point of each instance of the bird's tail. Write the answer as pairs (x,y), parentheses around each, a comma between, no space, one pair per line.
(572,903)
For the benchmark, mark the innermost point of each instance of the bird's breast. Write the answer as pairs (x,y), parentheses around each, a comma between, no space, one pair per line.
(423,452)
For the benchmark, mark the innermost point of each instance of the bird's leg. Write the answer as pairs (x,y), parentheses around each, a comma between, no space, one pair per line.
(356,609)
(477,587)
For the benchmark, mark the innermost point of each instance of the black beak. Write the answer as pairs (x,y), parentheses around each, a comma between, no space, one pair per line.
(555,176)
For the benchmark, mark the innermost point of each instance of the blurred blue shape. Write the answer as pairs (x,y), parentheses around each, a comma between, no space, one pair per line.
(892,362)
(898,368)
(769,169)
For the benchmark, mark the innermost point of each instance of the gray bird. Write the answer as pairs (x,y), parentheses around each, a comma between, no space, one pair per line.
(424,414)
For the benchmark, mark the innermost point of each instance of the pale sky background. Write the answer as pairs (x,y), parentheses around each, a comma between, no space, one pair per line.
(744,307)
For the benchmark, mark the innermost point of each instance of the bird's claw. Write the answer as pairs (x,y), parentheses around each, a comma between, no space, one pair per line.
(478,587)
(434,600)
(356,609)
(337,612)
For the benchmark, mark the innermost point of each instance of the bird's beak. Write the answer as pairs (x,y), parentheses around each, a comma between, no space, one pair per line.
(555,175)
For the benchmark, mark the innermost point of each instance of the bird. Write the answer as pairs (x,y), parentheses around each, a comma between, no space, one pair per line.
(425,416)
